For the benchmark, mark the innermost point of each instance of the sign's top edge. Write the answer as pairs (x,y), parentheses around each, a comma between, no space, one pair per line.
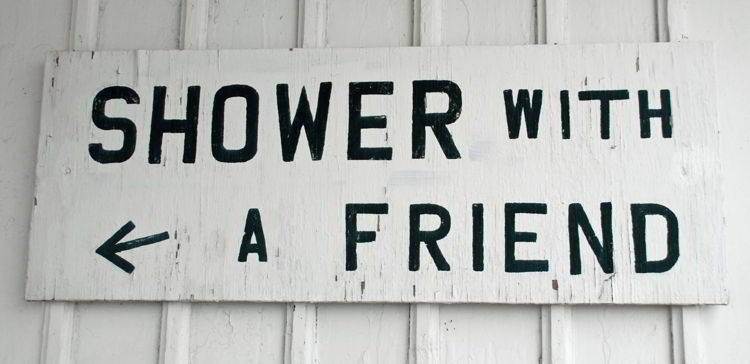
(690,43)
(722,301)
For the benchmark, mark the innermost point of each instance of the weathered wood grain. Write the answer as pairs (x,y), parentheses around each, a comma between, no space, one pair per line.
(80,203)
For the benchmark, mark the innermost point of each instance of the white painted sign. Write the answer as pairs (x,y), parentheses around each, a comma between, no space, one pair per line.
(535,174)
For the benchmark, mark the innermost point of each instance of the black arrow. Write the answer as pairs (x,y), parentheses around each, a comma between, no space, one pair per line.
(110,248)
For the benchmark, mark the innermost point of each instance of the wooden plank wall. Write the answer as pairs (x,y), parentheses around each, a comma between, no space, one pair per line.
(61,333)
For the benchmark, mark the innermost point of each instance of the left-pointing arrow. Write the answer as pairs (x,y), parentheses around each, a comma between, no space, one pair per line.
(110,248)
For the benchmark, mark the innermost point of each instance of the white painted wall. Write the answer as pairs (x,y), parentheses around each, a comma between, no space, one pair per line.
(372,333)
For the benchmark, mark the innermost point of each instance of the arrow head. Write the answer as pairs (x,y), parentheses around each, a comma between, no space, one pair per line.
(110,247)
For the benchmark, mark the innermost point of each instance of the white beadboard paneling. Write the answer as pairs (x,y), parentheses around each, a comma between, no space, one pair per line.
(116,333)
(28,29)
(677,20)
(311,23)
(58,328)
(488,333)
(84,24)
(174,338)
(555,326)
(193,24)
(369,23)
(489,22)
(725,330)
(552,21)
(557,335)
(139,24)
(612,21)
(237,333)
(633,334)
(174,344)
(363,333)
(424,333)
(301,333)
(131,25)
(57,332)
(301,323)
(230,332)
(252,24)
(424,340)
(427,23)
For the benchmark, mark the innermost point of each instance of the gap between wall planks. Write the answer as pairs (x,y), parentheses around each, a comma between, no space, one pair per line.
(556,325)
(174,344)
(301,324)
(301,329)
(687,346)
(424,318)
(58,326)
(57,333)
(687,342)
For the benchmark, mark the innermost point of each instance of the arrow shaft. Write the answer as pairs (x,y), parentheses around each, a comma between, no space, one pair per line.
(135,243)
(110,248)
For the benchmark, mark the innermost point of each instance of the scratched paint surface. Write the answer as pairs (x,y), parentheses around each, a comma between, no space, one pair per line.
(81,203)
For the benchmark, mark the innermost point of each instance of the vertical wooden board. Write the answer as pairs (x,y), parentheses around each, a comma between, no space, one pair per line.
(489,22)
(610,21)
(139,24)
(116,333)
(237,333)
(489,334)
(369,333)
(237,24)
(623,334)
(475,332)
(363,333)
(592,21)
(370,23)
(247,333)
(28,29)
(136,24)
(725,330)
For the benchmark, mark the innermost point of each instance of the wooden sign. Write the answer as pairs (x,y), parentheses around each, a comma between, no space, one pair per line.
(535,174)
